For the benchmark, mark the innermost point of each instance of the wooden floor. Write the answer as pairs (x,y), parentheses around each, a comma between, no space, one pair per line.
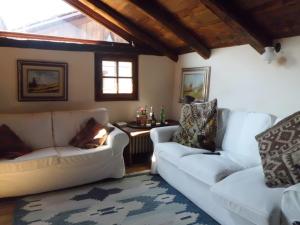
(7,206)
(138,168)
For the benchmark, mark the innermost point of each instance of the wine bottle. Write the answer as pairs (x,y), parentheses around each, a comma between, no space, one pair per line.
(162,116)
(153,120)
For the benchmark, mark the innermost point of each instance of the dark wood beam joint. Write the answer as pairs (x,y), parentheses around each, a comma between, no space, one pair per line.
(163,16)
(135,30)
(240,23)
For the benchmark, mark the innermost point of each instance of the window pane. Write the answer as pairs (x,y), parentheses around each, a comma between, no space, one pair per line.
(125,69)
(51,17)
(109,85)
(109,68)
(125,86)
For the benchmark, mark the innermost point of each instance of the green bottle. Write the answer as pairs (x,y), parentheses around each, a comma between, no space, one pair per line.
(162,116)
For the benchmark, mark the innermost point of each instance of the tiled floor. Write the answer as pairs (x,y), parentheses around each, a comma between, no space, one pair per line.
(7,205)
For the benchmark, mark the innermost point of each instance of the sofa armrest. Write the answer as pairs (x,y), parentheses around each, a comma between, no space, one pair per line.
(290,203)
(118,140)
(162,134)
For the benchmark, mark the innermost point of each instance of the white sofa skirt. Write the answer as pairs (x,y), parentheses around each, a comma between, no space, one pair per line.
(59,176)
(198,192)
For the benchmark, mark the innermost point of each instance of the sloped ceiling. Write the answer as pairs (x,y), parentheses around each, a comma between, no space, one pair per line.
(172,27)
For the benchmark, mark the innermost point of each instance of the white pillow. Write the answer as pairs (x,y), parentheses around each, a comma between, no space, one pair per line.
(239,140)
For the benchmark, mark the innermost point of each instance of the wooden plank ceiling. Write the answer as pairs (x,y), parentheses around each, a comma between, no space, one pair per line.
(172,27)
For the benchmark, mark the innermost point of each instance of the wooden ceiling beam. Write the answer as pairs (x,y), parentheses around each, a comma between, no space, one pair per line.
(135,30)
(100,19)
(163,16)
(239,23)
(41,43)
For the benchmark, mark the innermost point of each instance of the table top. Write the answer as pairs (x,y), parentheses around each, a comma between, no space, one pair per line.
(132,129)
(133,124)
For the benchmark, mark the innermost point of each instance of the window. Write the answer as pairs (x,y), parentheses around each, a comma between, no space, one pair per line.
(116,77)
(51,18)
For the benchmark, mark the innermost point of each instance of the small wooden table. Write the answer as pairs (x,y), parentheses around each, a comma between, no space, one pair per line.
(140,147)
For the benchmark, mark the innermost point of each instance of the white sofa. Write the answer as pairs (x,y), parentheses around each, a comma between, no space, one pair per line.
(230,187)
(54,164)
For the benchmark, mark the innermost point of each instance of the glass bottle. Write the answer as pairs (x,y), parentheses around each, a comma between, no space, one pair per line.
(162,115)
(138,116)
(153,120)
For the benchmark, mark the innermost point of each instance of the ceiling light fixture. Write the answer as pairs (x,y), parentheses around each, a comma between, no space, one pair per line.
(270,52)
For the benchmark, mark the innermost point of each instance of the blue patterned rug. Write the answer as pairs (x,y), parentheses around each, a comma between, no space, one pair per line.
(135,200)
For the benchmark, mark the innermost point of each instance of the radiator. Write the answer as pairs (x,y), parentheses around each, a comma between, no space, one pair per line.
(140,147)
(140,144)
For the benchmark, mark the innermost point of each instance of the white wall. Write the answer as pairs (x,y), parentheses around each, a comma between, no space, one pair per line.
(155,83)
(240,79)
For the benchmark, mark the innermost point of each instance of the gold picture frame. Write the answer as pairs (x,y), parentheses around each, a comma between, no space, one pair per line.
(42,81)
(195,83)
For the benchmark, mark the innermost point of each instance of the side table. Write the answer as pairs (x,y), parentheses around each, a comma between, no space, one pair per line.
(140,147)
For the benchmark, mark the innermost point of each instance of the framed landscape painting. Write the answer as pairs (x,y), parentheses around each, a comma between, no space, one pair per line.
(42,81)
(195,83)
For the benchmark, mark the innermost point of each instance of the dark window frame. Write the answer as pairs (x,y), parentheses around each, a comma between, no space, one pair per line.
(99,95)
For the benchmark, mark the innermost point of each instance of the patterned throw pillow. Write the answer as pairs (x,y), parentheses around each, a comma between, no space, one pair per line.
(11,146)
(92,135)
(198,125)
(280,152)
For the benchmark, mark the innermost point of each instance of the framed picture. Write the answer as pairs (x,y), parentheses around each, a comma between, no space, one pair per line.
(195,83)
(42,81)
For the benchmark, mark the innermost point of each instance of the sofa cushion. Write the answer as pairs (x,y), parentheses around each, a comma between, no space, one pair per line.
(198,125)
(209,169)
(35,129)
(246,194)
(172,151)
(67,123)
(70,155)
(239,139)
(11,146)
(38,159)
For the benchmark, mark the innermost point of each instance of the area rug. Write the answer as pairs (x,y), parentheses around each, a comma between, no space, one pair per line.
(134,200)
